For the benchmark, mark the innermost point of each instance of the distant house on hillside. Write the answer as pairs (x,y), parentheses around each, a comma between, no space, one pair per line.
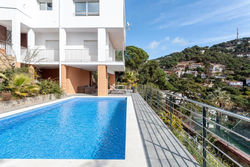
(168,72)
(240,55)
(235,83)
(195,65)
(239,42)
(179,73)
(217,68)
(202,51)
(221,77)
(230,48)
(182,65)
(195,73)
(203,76)
(248,81)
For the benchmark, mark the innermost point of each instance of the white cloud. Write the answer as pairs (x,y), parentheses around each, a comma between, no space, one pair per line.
(167,38)
(218,39)
(153,44)
(180,41)
(210,14)
(228,12)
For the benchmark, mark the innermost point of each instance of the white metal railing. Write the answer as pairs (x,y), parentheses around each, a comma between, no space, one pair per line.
(210,133)
(80,55)
(40,55)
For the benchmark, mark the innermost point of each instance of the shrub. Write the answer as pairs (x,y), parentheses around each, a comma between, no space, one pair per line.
(22,85)
(50,87)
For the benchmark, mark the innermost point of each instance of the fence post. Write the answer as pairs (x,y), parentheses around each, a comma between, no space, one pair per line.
(151,94)
(146,94)
(204,134)
(171,110)
(158,101)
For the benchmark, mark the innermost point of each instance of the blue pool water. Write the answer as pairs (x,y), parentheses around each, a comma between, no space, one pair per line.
(79,128)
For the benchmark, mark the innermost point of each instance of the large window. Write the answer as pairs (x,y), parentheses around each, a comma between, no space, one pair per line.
(45,5)
(87,8)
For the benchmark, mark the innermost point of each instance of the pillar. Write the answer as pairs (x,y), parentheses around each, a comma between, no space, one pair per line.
(102,80)
(31,39)
(102,37)
(63,76)
(112,80)
(16,39)
(62,68)
(62,44)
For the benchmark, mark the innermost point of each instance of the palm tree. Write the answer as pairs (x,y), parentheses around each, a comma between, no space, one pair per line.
(220,99)
(130,77)
(23,85)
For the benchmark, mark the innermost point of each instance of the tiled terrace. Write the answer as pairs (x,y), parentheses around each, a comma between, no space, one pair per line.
(162,148)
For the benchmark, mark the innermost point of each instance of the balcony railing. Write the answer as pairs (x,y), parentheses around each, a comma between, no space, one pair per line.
(215,137)
(86,55)
(71,55)
(6,47)
(80,55)
(40,55)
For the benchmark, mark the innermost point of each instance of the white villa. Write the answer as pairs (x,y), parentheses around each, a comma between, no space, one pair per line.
(73,38)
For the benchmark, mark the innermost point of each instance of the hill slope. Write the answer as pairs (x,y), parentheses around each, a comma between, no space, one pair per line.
(199,83)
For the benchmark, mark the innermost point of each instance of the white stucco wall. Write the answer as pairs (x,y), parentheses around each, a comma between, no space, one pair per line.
(75,40)
(40,38)
(111,15)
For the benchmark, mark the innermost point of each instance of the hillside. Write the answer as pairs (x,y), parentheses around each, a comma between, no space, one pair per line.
(236,60)
(198,72)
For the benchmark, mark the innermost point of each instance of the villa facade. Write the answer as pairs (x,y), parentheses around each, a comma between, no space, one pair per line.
(71,39)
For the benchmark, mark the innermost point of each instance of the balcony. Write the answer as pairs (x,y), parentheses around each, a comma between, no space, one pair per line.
(71,56)
(40,55)
(86,55)
(6,47)
(80,55)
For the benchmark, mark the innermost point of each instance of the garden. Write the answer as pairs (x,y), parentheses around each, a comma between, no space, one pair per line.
(19,83)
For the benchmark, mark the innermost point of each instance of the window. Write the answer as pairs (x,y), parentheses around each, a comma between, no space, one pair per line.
(45,6)
(87,8)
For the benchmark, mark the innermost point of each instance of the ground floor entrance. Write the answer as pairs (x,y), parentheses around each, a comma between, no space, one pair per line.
(80,79)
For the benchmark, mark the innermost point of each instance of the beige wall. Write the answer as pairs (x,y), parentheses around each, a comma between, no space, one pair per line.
(74,77)
(102,80)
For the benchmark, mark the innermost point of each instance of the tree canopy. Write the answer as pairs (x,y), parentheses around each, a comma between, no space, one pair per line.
(150,72)
(134,57)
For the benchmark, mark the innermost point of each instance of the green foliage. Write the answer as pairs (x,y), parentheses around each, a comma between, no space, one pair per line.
(143,71)
(50,87)
(134,57)
(21,82)
(150,72)
(197,88)
(130,77)
(23,85)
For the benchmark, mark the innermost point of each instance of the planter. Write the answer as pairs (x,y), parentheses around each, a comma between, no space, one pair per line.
(6,96)
(10,105)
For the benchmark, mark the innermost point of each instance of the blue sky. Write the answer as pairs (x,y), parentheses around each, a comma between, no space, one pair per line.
(164,26)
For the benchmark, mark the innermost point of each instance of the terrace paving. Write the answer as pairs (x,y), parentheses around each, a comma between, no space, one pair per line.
(162,148)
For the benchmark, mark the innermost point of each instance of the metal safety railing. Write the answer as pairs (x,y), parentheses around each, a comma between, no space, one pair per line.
(215,137)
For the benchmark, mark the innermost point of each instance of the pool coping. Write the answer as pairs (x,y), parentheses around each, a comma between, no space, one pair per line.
(134,154)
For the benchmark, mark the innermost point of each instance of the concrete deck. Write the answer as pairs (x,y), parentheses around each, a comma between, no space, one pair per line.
(162,148)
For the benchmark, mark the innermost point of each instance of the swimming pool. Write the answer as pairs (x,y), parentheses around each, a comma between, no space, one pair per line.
(78,128)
